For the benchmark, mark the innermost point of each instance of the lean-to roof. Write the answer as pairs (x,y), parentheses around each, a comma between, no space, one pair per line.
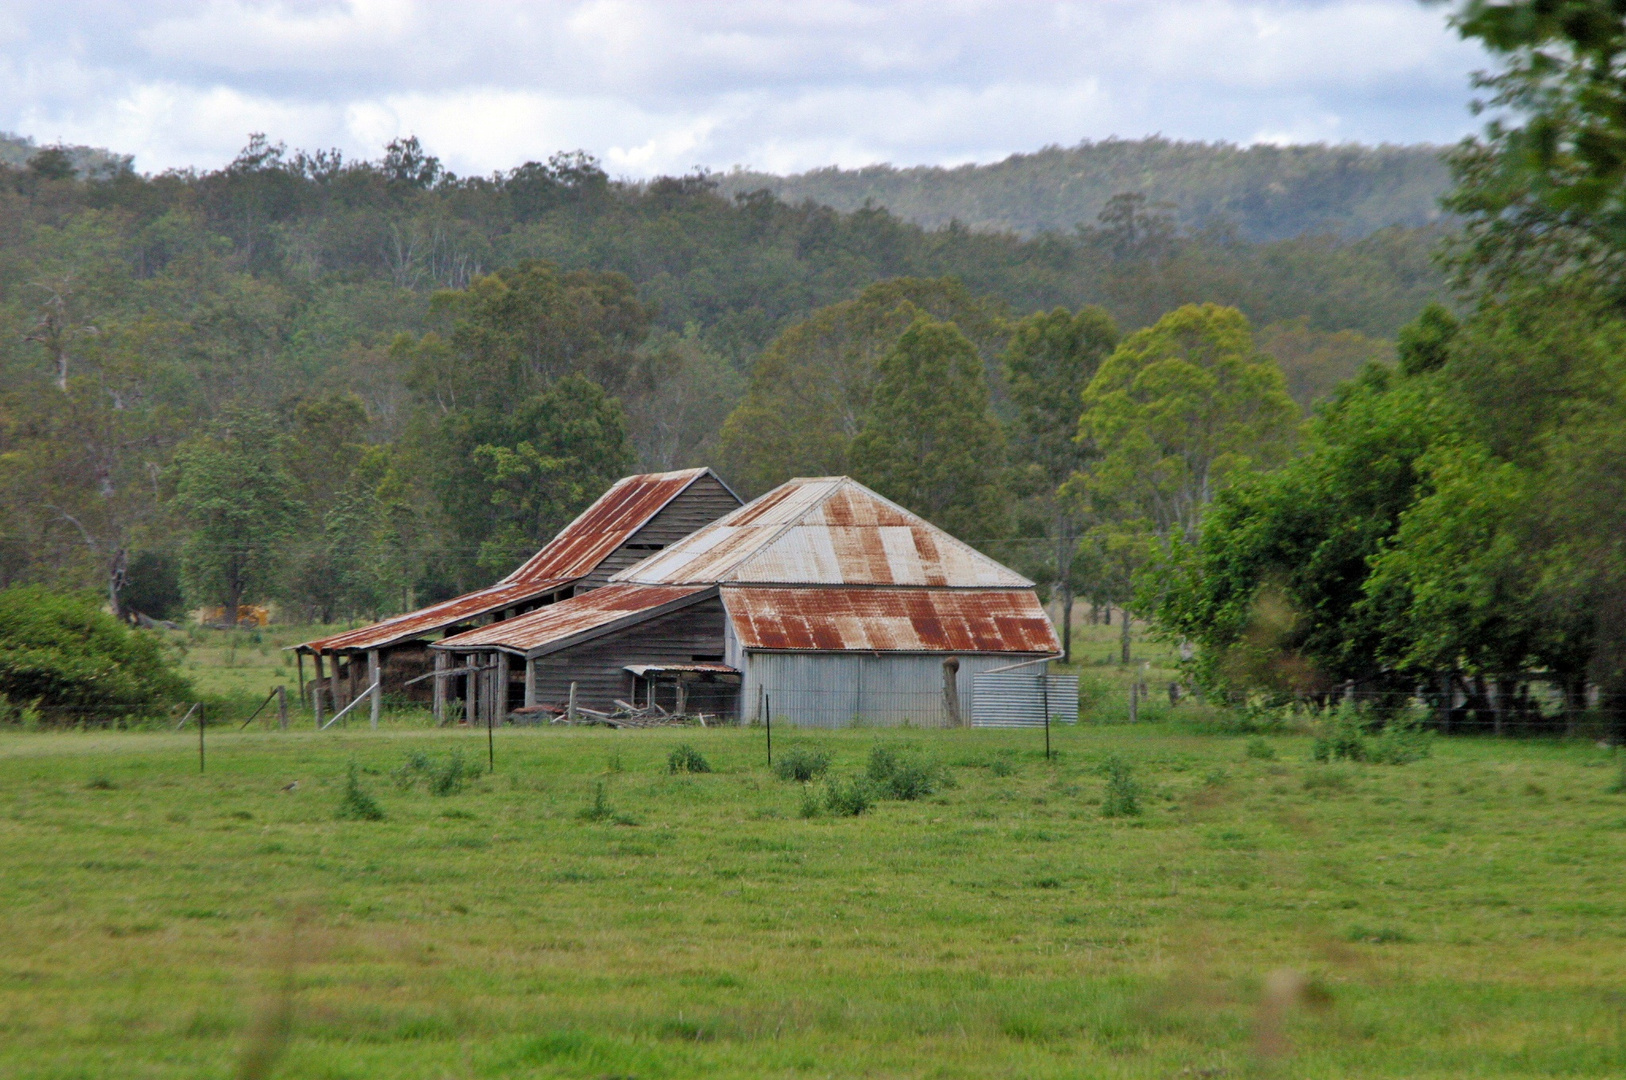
(580,618)
(573,554)
(890,620)
(827,530)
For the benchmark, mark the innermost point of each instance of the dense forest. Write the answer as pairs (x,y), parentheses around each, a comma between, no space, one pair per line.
(352,386)
(1264,192)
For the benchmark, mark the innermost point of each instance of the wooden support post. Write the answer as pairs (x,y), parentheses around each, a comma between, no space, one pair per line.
(443,663)
(499,700)
(570,707)
(374,680)
(951,691)
(299,663)
(351,685)
(470,677)
(316,693)
(682,698)
(530,682)
(282,707)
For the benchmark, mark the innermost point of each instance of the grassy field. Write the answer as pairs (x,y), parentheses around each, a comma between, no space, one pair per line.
(1455,917)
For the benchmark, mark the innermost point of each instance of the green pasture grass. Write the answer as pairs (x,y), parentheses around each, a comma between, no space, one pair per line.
(585,912)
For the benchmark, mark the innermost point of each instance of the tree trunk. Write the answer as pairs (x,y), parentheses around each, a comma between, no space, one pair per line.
(117,575)
(1066,623)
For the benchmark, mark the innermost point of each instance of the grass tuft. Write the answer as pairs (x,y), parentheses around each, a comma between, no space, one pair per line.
(802,764)
(686,759)
(1259,749)
(357,804)
(848,798)
(1122,798)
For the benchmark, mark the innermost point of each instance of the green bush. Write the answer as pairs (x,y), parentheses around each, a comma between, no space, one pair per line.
(448,778)
(357,804)
(66,659)
(1341,737)
(802,764)
(848,799)
(1402,740)
(686,759)
(904,776)
(1123,792)
(1260,750)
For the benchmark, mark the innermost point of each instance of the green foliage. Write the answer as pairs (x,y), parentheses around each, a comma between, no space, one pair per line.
(441,778)
(1123,791)
(599,809)
(904,775)
(62,658)
(1341,737)
(686,759)
(928,442)
(811,389)
(848,798)
(1260,749)
(1402,740)
(1264,191)
(801,764)
(232,492)
(357,804)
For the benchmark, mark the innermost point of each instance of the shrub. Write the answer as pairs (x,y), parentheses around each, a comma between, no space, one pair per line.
(686,759)
(1342,737)
(66,658)
(802,764)
(903,776)
(1619,786)
(1402,740)
(357,804)
(443,779)
(810,807)
(848,799)
(1123,792)
(1260,750)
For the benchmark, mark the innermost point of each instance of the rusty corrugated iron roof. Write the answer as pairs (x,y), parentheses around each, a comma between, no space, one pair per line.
(568,622)
(597,531)
(436,616)
(890,620)
(606,525)
(828,530)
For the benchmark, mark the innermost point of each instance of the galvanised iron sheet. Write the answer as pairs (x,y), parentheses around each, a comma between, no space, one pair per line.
(890,620)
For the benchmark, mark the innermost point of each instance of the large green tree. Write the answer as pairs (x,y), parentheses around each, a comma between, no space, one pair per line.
(1050,360)
(929,443)
(811,390)
(233,496)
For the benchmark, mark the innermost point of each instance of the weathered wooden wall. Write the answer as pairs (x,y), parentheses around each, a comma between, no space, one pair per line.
(598,666)
(700,504)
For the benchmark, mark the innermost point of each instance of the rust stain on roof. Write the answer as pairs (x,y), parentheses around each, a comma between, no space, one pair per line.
(890,620)
(579,614)
(612,519)
(435,616)
(605,526)
(828,530)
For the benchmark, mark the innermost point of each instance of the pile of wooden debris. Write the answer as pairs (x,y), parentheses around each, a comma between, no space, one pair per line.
(625,715)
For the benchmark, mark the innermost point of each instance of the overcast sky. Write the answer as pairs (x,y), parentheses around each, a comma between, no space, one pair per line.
(783,86)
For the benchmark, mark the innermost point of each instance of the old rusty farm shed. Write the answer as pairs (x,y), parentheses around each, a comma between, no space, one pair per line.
(637,516)
(820,600)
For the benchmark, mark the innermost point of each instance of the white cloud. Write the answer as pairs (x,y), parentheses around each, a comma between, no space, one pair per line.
(658,87)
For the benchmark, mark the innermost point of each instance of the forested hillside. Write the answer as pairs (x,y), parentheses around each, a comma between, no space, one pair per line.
(349,387)
(1264,192)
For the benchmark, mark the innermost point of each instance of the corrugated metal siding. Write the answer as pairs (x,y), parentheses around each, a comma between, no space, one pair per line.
(824,531)
(831,690)
(597,666)
(1018,698)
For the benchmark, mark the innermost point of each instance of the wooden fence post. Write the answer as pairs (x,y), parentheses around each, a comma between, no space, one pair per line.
(282,707)
(376,682)
(443,663)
